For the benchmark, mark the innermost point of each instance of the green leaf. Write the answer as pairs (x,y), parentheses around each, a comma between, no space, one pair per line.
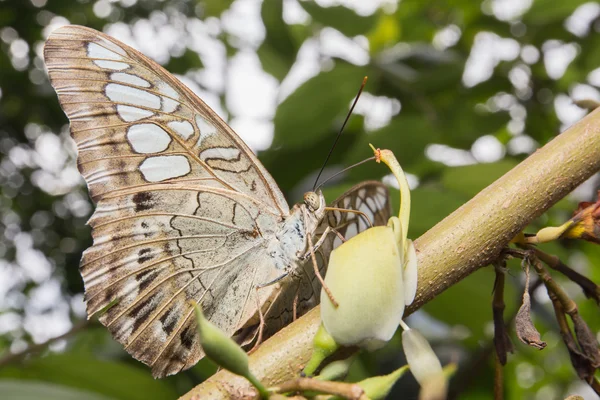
(469,303)
(341,18)
(471,179)
(20,390)
(311,110)
(272,61)
(180,65)
(590,56)
(112,379)
(407,135)
(429,206)
(385,33)
(214,8)
(278,51)
(547,11)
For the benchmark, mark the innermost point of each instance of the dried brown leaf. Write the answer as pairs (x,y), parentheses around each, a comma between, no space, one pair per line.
(525,329)
(587,340)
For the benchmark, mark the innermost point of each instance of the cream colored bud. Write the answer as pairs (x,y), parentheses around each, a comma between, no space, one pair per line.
(422,361)
(365,275)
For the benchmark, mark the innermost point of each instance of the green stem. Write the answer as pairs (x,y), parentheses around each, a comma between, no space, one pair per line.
(264,393)
(390,160)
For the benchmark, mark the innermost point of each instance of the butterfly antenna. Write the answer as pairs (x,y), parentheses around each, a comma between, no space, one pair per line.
(344,170)
(362,86)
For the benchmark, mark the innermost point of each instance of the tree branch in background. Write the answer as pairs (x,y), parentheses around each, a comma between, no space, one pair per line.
(471,237)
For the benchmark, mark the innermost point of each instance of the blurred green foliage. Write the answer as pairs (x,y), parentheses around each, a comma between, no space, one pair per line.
(417,52)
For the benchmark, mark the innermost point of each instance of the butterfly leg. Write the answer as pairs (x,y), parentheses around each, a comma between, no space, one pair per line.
(316,267)
(319,242)
(295,307)
(357,212)
(261,324)
(338,234)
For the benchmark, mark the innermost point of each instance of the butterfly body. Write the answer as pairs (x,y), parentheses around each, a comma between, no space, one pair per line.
(184,209)
(289,246)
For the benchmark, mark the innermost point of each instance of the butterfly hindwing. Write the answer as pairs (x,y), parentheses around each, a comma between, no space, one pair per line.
(373,200)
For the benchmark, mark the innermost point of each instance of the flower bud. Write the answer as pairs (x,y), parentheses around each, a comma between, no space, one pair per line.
(422,361)
(335,370)
(378,387)
(324,345)
(365,275)
(226,353)
(585,224)
(372,276)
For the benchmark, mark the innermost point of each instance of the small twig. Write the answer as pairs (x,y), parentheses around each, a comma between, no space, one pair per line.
(585,337)
(595,385)
(569,306)
(580,363)
(498,379)
(346,390)
(35,348)
(590,289)
(501,340)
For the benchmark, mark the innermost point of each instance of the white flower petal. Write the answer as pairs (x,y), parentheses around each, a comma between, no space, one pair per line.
(410,273)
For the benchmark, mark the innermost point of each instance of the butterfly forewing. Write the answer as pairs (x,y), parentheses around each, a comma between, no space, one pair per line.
(182,203)
(135,124)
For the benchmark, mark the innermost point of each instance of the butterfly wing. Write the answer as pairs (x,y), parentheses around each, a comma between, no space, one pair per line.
(183,207)
(373,200)
(136,124)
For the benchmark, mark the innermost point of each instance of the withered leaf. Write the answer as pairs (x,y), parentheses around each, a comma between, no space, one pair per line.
(525,329)
(587,340)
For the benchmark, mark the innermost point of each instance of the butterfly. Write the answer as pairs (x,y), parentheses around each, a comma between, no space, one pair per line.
(184,209)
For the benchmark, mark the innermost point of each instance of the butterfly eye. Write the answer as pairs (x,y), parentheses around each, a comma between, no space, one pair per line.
(311,199)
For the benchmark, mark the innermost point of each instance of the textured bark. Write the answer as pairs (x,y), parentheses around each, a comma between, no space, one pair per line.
(469,238)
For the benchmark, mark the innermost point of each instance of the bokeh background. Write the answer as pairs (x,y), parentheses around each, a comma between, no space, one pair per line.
(461,91)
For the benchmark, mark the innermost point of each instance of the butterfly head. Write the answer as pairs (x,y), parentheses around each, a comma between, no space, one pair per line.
(315,203)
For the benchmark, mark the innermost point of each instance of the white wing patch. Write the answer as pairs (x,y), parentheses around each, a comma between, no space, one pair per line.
(130,114)
(160,168)
(111,46)
(148,138)
(206,129)
(127,94)
(362,222)
(381,196)
(221,153)
(337,241)
(371,203)
(114,65)
(94,50)
(169,105)
(182,128)
(351,231)
(168,90)
(169,100)
(129,79)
